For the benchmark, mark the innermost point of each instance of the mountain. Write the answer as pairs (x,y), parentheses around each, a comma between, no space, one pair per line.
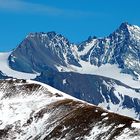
(122,47)
(105,92)
(32,110)
(116,56)
(42,51)
(102,71)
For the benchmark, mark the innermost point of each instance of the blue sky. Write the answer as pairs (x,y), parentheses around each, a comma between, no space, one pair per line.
(75,19)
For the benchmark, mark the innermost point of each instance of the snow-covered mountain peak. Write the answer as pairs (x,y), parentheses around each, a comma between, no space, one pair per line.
(134,32)
(51,51)
(124,26)
(121,48)
(128,30)
(46,35)
(48,39)
(41,51)
(129,27)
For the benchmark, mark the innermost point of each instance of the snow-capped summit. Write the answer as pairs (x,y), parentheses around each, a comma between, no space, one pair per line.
(124,26)
(41,51)
(122,48)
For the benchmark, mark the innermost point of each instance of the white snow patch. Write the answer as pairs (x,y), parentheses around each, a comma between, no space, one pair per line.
(98,130)
(135,125)
(121,125)
(96,110)
(4,67)
(87,48)
(106,118)
(104,114)
(64,81)
(125,135)
(126,91)
(107,70)
(118,108)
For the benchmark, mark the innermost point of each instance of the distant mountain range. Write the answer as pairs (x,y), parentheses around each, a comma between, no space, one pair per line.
(40,51)
(102,71)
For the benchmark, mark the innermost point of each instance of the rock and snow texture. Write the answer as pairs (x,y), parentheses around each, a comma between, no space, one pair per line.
(107,70)
(105,92)
(42,51)
(122,48)
(24,108)
(119,52)
(30,110)
(79,69)
(6,70)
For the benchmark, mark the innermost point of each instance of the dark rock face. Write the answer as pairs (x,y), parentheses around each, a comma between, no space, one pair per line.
(94,89)
(41,51)
(2,76)
(45,116)
(121,47)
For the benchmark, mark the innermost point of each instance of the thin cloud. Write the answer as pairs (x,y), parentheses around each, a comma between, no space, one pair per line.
(34,8)
(22,6)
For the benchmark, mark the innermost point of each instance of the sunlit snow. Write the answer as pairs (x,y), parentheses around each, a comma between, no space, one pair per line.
(4,67)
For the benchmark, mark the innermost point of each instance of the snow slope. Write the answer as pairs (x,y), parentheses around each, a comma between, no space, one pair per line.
(31,110)
(107,70)
(16,107)
(5,69)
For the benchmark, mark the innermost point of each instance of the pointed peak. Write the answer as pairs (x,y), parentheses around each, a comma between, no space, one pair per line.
(90,38)
(123,28)
(51,34)
(124,25)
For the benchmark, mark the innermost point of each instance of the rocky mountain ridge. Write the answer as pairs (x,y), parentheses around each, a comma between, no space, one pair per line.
(41,51)
(32,110)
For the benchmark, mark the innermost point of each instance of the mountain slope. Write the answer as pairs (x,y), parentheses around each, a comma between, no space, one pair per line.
(41,51)
(33,111)
(105,92)
(2,76)
(102,71)
(122,47)
(6,70)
